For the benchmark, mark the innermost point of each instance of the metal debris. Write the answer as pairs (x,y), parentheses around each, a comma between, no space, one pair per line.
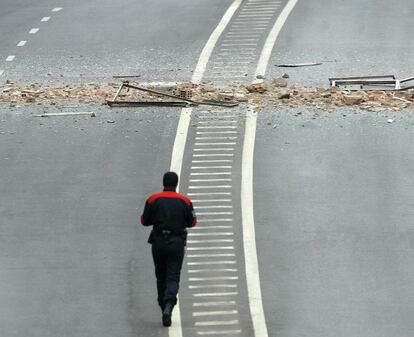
(381,82)
(296,65)
(59,114)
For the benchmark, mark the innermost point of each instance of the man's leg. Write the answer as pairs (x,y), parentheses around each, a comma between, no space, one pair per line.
(174,265)
(160,263)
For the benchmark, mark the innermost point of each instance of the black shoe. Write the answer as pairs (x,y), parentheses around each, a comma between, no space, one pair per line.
(166,314)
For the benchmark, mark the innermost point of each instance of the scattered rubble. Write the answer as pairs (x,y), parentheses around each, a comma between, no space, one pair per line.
(277,92)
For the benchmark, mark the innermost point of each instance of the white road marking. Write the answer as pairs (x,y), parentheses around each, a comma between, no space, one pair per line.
(225,167)
(213,149)
(212,41)
(215,143)
(215,220)
(208,187)
(214,323)
(10,58)
(191,234)
(214,155)
(217,127)
(210,227)
(249,238)
(211,248)
(57,9)
(45,19)
(210,193)
(213,304)
(213,278)
(213,206)
(221,270)
(211,255)
(212,161)
(214,313)
(210,173)
(271,39)
(211,241)
(1,72)
(200,263)
(21,43)
(33,30)
(215,132)
(218,294)
(209,180)
(211,200)
(206,138)
(203,286)
(219,332)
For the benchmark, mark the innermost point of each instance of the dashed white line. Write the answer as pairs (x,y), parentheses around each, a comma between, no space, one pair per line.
(1,72)
(57,9)
(45,19)
(10,58)
(21,43)
(33,30)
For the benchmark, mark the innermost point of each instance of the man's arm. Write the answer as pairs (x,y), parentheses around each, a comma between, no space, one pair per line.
(192,218)
(146,215)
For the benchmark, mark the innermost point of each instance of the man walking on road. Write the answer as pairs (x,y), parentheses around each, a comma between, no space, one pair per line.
(170,213)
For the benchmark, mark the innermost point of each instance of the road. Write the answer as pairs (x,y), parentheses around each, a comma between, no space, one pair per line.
(333,191)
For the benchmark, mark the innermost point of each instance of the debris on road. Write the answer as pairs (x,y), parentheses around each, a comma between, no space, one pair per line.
(296,65)
(60,114)
(276,92)
(381,82)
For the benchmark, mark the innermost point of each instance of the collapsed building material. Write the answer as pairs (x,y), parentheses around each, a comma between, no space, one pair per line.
(182,101)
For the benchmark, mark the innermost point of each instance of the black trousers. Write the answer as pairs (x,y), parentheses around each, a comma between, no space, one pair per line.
(168,258)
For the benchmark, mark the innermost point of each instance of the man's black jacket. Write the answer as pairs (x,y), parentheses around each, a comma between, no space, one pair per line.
(169,210)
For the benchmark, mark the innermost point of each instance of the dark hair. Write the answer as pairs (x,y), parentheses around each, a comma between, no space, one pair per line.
(170,179)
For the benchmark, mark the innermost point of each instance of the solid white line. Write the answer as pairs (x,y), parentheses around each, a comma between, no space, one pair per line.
(271,39)
(10,58)
(45,19)
(217,323)
(208,49)
(21,43)
(212,304)
(219,332)
(57,9)
(211,248)
(229,293)
(202,286)
(33,30)
(214,313)
(211,255)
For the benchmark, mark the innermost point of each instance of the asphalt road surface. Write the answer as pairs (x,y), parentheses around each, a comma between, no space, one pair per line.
(333,192)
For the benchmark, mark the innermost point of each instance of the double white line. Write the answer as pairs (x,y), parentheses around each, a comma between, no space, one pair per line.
(250,252)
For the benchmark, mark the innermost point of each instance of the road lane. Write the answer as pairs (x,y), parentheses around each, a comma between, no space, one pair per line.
(74,261)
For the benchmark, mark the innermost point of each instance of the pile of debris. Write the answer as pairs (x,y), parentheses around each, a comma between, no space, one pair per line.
(277,93)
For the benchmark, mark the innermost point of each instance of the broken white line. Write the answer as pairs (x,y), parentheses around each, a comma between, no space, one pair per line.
(33,30)
(21,43)
(10,58)
(45,19)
